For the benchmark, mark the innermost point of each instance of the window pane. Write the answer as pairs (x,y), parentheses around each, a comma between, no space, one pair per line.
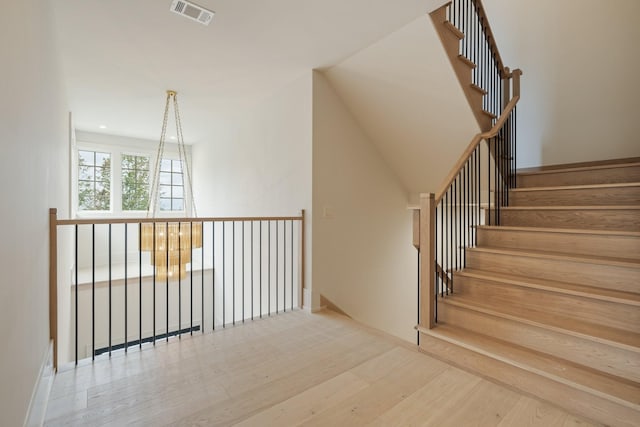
(86,173)
(85,158)
(178,192)
(142,163)
(94,180)
(176,179)
(177,166)
(135,183)
(165,165)
(165,178)
(177,204)
(165,204)
(103,159)
(165,191)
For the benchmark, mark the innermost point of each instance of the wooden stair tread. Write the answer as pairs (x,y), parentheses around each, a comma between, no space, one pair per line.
(603,294)
(579,168)
(459,34)
(577,187)
(561,230)
(620,262)
(478,89)
(606,335)
(489,114)
(571,208)
(467,61)
(619,390)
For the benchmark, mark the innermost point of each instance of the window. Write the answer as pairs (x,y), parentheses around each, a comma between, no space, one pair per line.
(94,181)
(135,182)
(112,176)
(171,186)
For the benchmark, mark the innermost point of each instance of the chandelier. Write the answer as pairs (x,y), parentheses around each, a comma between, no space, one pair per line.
(170,243)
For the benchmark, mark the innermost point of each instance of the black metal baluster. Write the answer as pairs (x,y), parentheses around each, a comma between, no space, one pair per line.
(202,278)
(277,252)
(110,290)
(243,301)
(213,274)
(93,291)
(291,264)
(140,284)
(179,280)
(260,279)
(224,287)
(269,268)
(252,273)
(166,245)
(75,264)
(284,266)
(155,270)
(126,344)
(233,270)
(191,291)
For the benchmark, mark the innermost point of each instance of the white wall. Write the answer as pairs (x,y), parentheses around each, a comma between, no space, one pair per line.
(259,163)
(34,171)
(363,260)
(580,92)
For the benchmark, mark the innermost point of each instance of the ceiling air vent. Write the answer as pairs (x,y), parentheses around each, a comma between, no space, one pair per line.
(192,11)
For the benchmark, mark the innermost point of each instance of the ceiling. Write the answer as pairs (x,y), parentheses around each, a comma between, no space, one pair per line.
(118,57)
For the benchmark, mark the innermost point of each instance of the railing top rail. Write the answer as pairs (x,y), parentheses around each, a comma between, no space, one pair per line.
(472,146)
(89,221)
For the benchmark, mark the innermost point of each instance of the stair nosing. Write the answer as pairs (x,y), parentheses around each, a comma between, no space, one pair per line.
(467,61)
(478,89)
(577,187)
(619,233)
(456,32)
(541,325)
(532,369)
(527,282)
(574,208)
(580,168)
(618,262)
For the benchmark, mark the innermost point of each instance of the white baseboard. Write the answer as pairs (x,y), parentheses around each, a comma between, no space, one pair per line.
(311,301)
(40,395)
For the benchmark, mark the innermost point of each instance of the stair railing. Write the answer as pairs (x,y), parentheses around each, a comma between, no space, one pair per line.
(243,268)
(478,184)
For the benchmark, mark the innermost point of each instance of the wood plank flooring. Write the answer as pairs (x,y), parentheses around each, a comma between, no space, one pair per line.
(287,370)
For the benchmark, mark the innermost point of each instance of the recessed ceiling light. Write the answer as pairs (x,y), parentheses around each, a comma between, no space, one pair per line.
(172,137)
(102,126)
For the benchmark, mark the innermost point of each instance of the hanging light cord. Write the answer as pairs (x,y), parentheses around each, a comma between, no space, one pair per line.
(152,207)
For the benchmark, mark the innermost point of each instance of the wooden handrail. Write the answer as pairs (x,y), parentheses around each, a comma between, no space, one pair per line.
(480,137)
(89,221)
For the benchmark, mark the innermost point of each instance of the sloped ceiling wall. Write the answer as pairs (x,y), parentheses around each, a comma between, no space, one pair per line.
(404,95)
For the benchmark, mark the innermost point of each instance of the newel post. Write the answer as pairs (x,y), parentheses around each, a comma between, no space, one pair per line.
(427,260)
(53,283)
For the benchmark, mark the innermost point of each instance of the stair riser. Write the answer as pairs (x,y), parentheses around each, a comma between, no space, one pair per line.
(570,398)
(615,277)
(615,196)
(582,177)
(602,357)
(497,295)
(578,244)
(599,219)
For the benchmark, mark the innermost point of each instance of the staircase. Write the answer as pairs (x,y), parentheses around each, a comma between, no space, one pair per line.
(549,300)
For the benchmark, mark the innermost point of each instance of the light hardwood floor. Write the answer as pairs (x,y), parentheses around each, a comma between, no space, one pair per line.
(291,369)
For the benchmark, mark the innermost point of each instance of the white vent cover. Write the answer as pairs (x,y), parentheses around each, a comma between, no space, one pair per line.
(192,11)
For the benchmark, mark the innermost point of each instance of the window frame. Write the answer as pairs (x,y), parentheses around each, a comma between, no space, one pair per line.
(117,147)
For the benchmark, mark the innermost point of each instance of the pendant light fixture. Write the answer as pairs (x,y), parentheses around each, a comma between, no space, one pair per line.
(171,243)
